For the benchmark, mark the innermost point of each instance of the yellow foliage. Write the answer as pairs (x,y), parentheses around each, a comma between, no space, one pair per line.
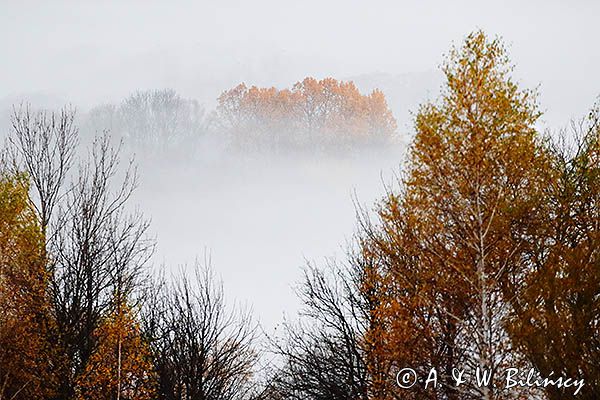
(447,244)
(24,321)
(120,367)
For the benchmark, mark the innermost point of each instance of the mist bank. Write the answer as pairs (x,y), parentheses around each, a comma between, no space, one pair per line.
(260,218)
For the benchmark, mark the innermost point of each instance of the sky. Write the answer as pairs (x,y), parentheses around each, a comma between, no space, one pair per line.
(91,52)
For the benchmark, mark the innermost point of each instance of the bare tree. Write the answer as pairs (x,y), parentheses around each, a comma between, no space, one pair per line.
(200,349)
(100,249)
(43,144)
(323,354)
(96,247)
(160,120)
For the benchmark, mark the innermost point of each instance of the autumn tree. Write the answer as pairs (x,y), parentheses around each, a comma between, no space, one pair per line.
(556,315)
(458,230)
(26,354)
(312,114)
(120,366)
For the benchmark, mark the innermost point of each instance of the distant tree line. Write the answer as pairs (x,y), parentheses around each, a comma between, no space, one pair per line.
(151,123)
(313,116)
(485,256)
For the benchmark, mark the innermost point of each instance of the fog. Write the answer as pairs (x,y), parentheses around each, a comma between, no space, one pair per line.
(260,222)
(259,219)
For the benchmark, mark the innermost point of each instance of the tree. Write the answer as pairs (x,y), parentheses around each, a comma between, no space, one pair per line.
(25,351)
(98,247)
(459,230)
(120,366)
(556,314)
(43,144)
(323,355)
(311,115)
(92,244)
(200,350)
(151,122)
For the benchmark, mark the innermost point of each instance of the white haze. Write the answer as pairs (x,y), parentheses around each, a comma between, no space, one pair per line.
(260,220)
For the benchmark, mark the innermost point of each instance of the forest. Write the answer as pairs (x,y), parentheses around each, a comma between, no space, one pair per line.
(484,253)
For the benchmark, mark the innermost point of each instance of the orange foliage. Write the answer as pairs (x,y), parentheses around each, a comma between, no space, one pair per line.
(447,246)
(120,367)
(24,318)
(314,111)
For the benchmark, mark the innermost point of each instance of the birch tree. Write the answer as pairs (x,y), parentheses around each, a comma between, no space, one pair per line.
(459,227)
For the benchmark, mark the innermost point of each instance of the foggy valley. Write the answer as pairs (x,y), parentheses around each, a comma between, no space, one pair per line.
(266,138)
